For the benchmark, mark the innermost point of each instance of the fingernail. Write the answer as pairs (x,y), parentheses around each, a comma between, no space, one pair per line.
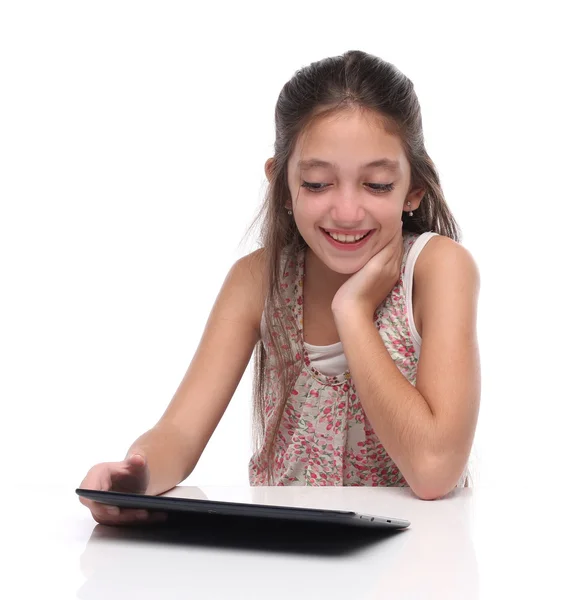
(141,514)
(113,510)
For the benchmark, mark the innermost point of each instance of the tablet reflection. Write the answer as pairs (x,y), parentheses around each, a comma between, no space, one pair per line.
(436,559)
(226,557)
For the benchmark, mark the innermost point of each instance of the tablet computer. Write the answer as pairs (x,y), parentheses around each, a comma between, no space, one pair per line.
(173,504)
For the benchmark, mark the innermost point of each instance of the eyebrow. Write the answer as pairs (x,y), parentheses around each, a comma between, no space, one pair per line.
(384,163)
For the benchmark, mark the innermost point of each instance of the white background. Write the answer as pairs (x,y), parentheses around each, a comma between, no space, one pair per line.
(132,142)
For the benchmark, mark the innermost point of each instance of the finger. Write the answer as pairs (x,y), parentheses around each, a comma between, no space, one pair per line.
(92,504)
(100,509)
(99,477)
(127,516)
(140,514)
(96,479)
(105,519)
(132,464)
(136,460)
(109,513)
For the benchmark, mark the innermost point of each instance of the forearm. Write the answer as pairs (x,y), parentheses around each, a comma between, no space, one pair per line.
(168,454)
(397,411)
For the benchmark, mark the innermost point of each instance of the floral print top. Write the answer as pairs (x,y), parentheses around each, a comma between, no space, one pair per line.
(325,437)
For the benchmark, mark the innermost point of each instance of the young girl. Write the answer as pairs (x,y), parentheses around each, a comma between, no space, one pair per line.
(361,306)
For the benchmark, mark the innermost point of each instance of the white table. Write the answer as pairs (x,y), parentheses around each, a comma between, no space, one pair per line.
(474,543)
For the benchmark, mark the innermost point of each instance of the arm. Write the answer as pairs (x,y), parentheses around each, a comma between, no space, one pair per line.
(428,429)
(174,445)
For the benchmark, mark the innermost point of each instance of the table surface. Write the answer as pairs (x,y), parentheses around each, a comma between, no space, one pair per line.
(473,543)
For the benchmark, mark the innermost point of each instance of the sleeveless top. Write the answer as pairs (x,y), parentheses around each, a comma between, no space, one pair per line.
(325,437)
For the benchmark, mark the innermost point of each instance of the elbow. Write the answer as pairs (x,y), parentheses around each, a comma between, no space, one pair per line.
(434,479)
(430,492)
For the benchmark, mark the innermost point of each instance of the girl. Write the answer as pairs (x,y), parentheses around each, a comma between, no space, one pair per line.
(361,306)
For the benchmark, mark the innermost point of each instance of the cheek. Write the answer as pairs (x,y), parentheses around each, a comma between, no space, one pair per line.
(383,241)
(308,218)
(389,214)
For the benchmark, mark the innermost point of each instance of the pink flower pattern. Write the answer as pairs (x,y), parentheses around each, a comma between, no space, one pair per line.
(325,437)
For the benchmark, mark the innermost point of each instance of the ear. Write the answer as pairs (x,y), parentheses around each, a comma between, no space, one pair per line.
(268,168)
(414,197)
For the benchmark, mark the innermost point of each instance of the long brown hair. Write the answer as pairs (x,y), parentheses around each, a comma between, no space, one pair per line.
(354,80)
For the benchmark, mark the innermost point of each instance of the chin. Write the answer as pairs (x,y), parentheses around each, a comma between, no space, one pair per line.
(347,267)
(343,265)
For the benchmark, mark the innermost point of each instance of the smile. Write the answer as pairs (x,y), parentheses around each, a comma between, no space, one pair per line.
(347,242)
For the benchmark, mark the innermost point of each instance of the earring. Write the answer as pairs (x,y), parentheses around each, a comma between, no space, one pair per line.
(289,212)
(411,212)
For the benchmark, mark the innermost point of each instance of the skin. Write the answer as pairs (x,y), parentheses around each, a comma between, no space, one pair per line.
(427,429)
(348,139)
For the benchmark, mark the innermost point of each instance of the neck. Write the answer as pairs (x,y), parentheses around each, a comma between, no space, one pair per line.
(326,281)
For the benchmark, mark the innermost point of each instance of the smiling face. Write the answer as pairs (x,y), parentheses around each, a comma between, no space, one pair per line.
(334,187)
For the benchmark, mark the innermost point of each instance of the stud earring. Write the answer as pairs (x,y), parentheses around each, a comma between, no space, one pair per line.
(289,212)
(411,212)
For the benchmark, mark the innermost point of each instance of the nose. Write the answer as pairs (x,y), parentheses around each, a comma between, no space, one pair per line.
(347,210)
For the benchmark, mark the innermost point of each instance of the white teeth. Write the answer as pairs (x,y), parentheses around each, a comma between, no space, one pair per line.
(346,239)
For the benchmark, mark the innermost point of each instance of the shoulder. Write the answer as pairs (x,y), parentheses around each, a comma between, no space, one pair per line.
(251,265)
(441,256)
(445,267)
(249,274)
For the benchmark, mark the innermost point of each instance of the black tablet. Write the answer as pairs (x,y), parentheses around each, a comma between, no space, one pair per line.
(172,504)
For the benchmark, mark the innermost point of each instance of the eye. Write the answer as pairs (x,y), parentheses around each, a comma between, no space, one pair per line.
(381,188)
(378,188)
(314,187)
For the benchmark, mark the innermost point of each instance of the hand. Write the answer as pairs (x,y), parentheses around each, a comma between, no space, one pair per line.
(129,476)
(371,284)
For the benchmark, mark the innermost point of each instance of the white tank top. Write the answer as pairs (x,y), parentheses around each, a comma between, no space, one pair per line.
(331,360)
